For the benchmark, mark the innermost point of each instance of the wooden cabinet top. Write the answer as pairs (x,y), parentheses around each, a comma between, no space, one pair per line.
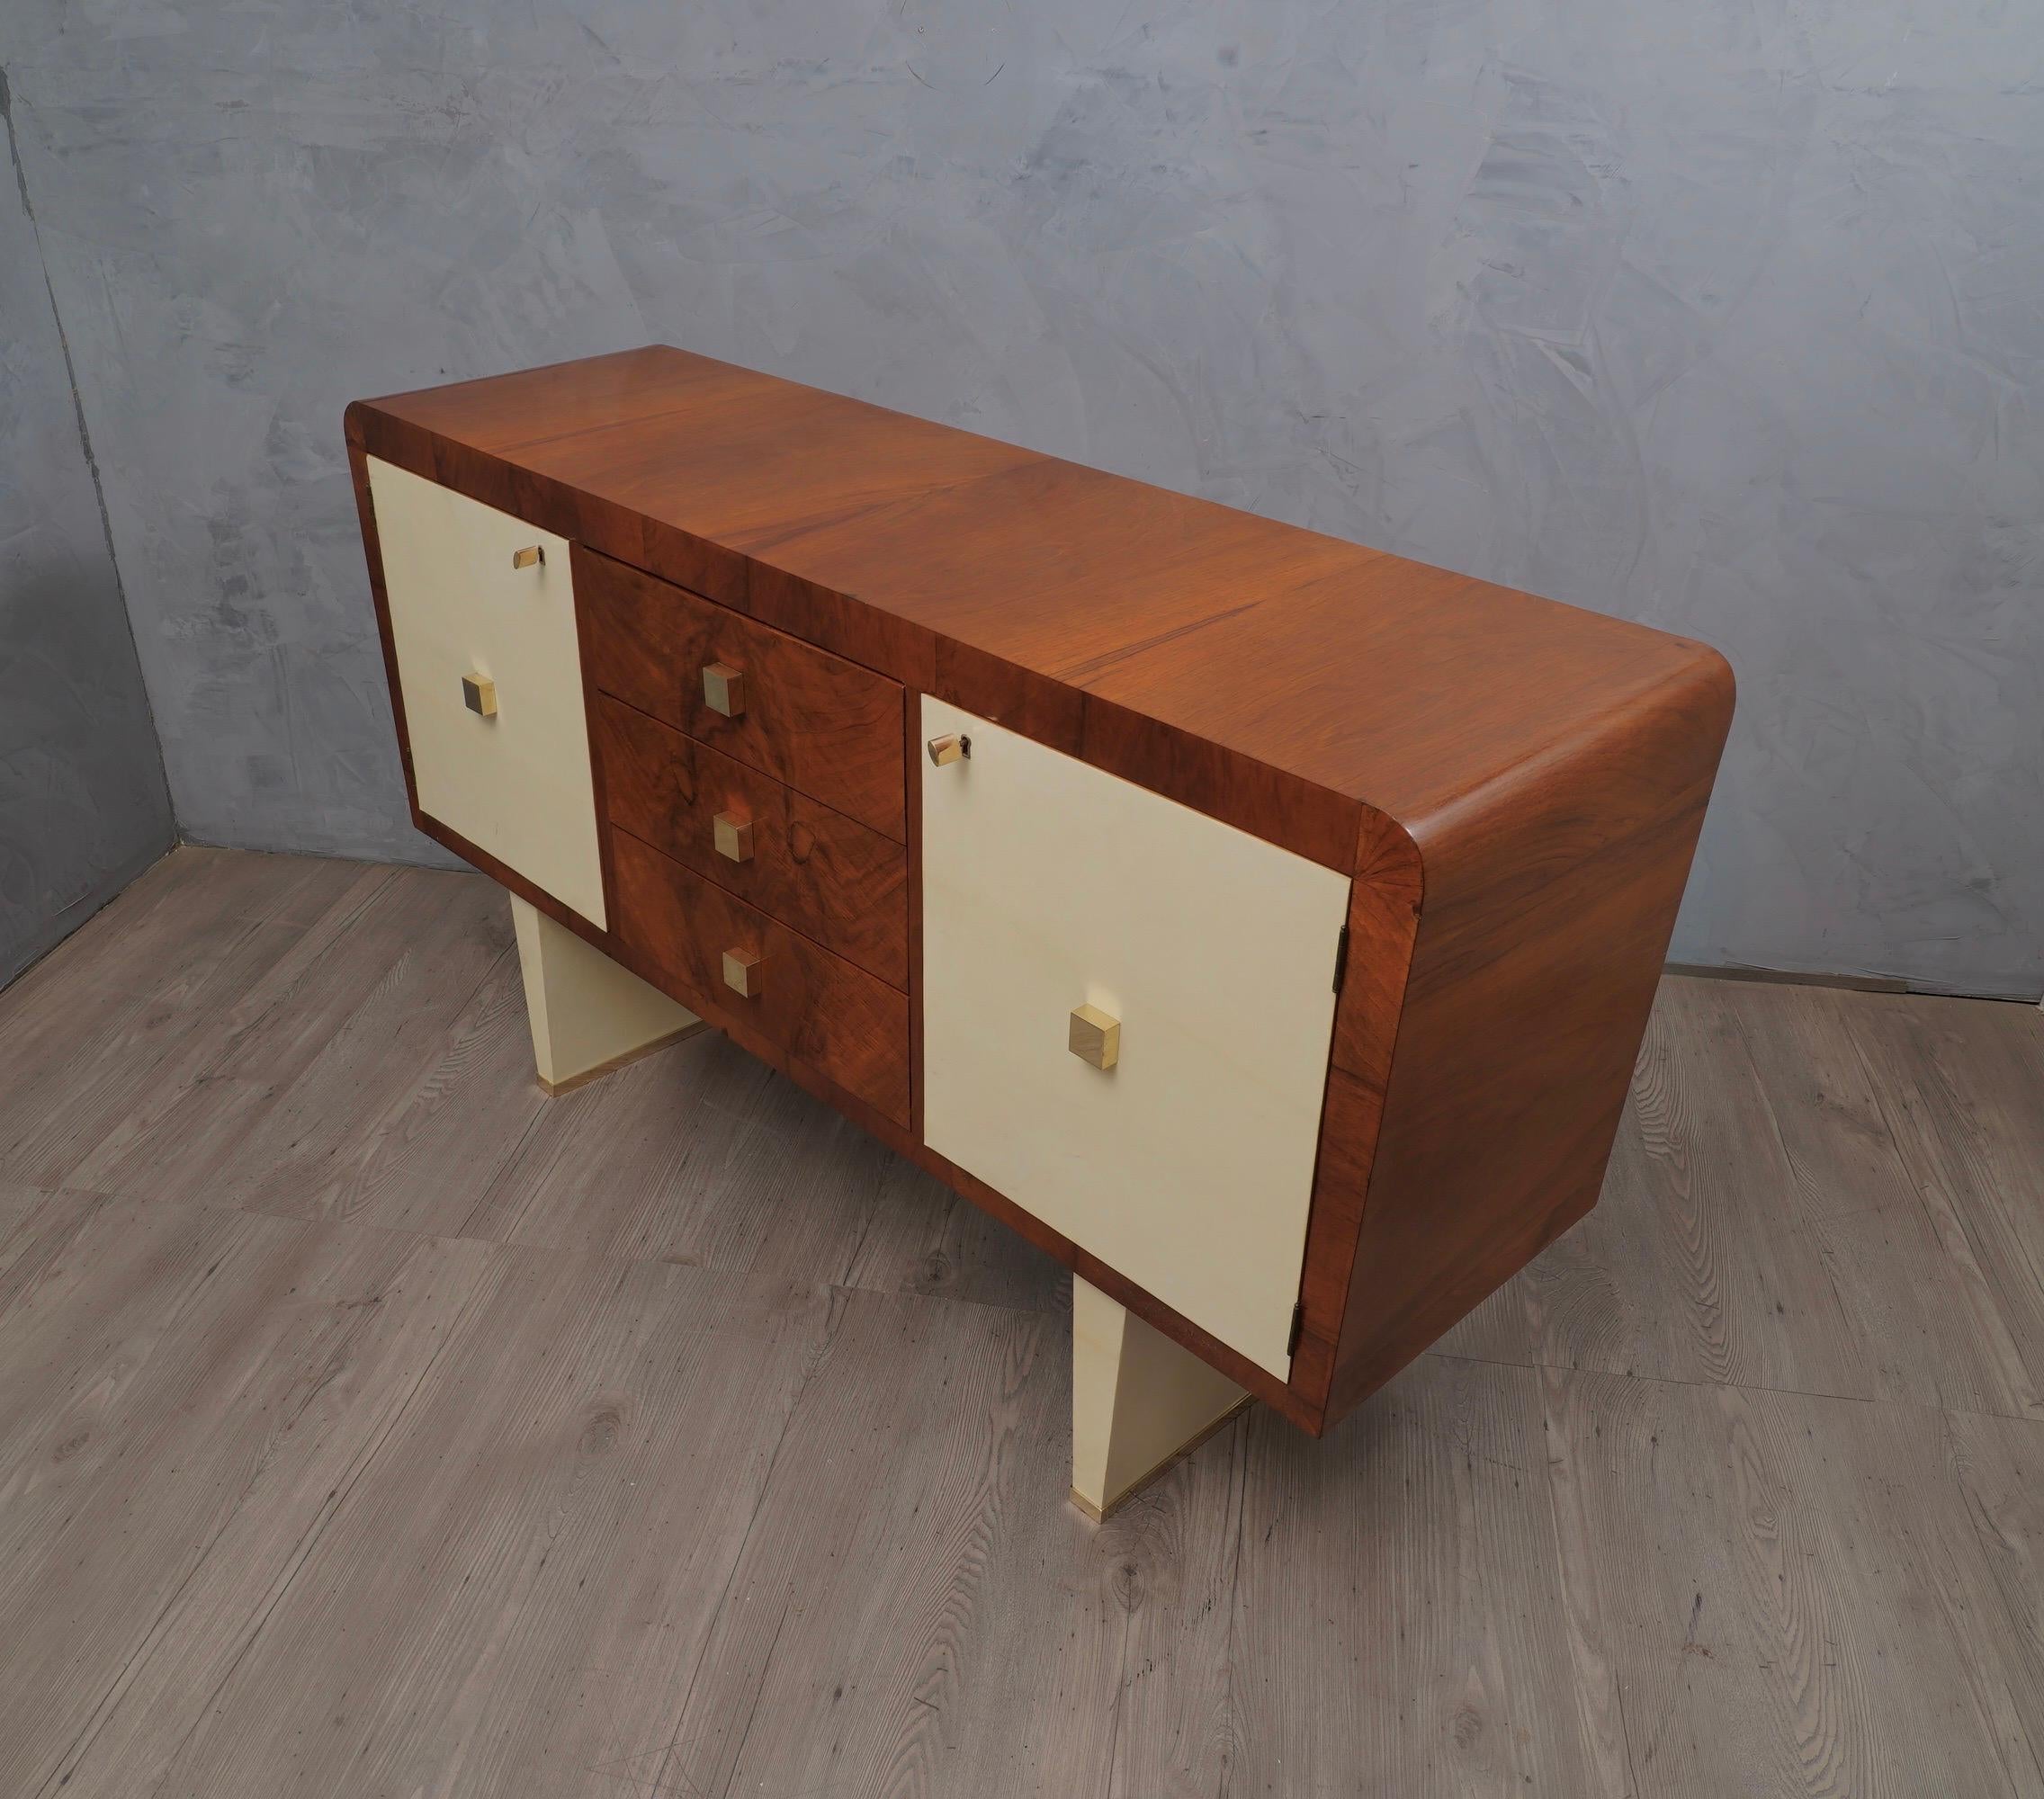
(1303,687)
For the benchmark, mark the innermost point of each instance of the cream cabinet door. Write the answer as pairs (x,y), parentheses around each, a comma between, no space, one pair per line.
(516,783)
(1187,1164)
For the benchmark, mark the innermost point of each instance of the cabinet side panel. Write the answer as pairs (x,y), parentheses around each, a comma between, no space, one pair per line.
(1548,906)
(1384,907)
(372,555)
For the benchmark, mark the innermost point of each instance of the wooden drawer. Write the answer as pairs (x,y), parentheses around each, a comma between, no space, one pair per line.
(824,1013)
(515,782)
(824,726)
(1187,1165)
(832,878)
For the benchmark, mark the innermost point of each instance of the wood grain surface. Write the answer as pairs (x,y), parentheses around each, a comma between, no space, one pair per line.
(830,1015)
(832,878)
(1274,676)
(697,1445)
(820,724)
(1532,967)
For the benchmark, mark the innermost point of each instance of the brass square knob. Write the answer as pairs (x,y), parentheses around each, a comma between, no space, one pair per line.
(723,689)
(734,836)
(478,693)
(1095,1037)
(742,972)
(531,557)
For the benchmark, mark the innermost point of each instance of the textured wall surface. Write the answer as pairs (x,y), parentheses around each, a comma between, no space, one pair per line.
(1724,316)
(83,809)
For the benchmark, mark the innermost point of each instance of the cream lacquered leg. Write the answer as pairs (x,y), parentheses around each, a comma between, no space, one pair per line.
(588,1015)
(1139,1401)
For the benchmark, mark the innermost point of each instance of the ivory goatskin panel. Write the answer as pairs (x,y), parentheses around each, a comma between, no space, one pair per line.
(1138,1400)
(586,1014)
(516,784)
(1189,1165)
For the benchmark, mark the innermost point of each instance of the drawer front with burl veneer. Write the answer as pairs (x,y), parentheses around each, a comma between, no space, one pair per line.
(823,725)
(814,1007)
(830,877)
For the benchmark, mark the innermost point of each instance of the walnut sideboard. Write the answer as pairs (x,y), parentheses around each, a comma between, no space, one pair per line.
(1264,925)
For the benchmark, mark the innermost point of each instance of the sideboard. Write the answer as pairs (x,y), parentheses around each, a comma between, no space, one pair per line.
(1262,925)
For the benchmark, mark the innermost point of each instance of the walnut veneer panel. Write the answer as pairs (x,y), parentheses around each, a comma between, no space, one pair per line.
(830,876)
(822,724)
(837,1019)
(1345,672)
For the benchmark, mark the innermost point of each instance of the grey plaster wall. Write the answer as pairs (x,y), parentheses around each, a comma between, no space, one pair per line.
(1722,314)
(83,809)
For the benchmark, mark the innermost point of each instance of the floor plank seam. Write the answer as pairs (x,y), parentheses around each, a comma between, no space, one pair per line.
(323,1520)
(946,1299)
(751,1711)
(349,1222)
(109,1701)
(457,1012)
(811,1367)
(524,1137)
(875,1200)
(341,926)
(34,1281)
(1898,1402)
(1965,1227)
(140,1004)
(1957,1629)
(819,1283)
(1238,1486)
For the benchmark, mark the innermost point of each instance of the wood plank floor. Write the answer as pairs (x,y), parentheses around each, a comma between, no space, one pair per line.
(372,1424)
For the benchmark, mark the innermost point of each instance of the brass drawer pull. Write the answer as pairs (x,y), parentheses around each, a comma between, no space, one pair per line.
(723,689)
(742,971)
(1095,1037)
(953,747)
(478,693)
(733,836)
(531,557)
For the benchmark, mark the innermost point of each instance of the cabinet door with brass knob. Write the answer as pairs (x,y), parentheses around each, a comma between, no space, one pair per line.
(1127,1007)
(483,624)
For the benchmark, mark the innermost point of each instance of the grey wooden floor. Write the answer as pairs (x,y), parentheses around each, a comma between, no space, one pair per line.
(372,1424)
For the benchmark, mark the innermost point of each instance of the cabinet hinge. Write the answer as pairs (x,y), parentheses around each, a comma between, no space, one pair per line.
(1298,1325)
(1341,957)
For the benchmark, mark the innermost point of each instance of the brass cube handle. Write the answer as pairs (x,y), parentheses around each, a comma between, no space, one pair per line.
(723,689)
(531,557)
(479,693)
(733,836)
(742,971)
(1095,1037)
(953,747)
